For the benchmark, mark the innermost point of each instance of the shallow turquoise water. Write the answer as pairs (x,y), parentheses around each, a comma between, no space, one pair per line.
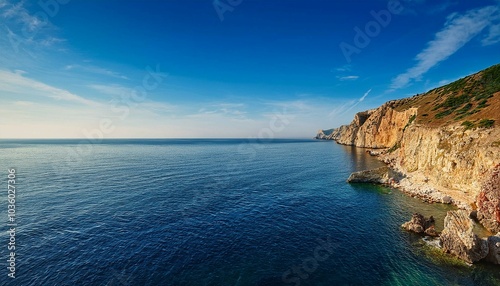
(213,212)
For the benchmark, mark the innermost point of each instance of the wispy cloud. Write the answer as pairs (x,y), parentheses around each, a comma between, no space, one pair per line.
(292,106)
(26,31)
(16,82)
(493,36)
(365,95)
(233,110)
(96,70)
(458,30)
(440,7)
(21,15)
(343,109)
(344,68)
(119,92)
(111,89)
(24,103)
(349,77)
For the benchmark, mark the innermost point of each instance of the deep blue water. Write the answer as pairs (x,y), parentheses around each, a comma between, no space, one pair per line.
(211,212)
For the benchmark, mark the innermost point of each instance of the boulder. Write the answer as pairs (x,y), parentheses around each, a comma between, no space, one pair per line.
(431,231)
(494,249)
(459,239)
(488,202)
(421,225)
(376,176)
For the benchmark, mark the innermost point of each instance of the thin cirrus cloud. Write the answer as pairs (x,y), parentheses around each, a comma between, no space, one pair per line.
(111,89)
(236,110)
(458,31)
(96,70)
(346,107)
(16,82)
(493,36)
(349,77)
(31,23)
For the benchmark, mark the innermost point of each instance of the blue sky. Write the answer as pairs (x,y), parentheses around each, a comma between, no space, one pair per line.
(227,68)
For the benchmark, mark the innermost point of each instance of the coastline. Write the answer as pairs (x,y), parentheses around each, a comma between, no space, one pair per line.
(460,237)
(441,147)
(416,184)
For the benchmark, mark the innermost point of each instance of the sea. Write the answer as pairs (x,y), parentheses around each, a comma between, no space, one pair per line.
(211,212)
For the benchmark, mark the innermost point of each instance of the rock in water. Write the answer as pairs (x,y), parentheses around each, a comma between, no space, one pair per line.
(419,224)
(431,231)
(376,176)
(494,249)
(488,202)
(459,239)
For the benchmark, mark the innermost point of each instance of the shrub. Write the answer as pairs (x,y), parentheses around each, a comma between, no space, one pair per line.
(395,147)
(468,125)
(486,123)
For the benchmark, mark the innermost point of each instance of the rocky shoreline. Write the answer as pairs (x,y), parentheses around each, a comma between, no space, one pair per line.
(458,237)
(441,146)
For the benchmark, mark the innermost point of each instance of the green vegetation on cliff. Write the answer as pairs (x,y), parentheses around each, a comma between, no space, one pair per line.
(473,98)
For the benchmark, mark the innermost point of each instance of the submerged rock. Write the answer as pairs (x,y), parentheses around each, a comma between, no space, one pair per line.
(459,239)
(421,225)
(431,231)
(494,249)
(488,202)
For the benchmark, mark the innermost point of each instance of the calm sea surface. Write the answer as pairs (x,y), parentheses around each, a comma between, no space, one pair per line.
(211,212)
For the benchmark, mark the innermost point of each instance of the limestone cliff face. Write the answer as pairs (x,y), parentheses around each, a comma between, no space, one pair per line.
(488,202)
(445,142)
(451,158)
(376,128)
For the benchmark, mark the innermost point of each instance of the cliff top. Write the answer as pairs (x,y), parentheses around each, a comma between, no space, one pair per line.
(472,101)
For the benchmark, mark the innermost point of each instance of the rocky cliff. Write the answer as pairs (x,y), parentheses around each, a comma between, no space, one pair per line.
(441,146)
(376,128)
(445,141)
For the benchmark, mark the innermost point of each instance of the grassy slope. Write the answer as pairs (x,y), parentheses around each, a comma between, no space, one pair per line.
(473,101)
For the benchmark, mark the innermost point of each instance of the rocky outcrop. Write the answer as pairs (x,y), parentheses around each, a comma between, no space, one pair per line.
(331,134)
(375,128)
(459,239)
(380,175)
(449,158)
(488,202)
(421,225)
(494,249)
(324,134)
